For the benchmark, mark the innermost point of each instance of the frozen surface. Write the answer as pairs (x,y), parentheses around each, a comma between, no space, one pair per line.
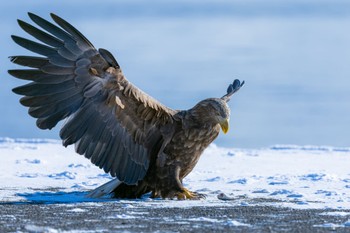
(306,177)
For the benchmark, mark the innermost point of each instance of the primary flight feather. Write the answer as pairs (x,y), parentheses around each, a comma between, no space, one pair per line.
(147,146)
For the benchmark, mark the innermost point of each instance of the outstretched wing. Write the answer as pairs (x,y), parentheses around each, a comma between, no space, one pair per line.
(110,121)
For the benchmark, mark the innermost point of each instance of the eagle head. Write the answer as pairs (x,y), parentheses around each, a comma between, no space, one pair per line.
(212,111)
(215,111)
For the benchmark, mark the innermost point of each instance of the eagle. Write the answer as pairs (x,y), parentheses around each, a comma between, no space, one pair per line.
(146,146)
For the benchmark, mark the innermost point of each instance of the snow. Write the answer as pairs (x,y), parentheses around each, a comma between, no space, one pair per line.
(34,228)
(333,226)
(228,222)
(304,177)
(336,213)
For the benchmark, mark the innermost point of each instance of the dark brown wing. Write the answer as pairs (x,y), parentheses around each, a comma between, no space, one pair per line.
(109,120)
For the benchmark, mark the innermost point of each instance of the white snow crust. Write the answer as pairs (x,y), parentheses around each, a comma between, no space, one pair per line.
(283,175)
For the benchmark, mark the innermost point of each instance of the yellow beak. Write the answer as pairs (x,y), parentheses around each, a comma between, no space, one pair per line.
(224,126)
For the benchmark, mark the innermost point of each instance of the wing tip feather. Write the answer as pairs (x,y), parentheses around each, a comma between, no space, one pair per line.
(32,16)
(12,59)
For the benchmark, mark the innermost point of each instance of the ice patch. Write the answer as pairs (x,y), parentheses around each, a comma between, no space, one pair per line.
(138,213)
(124,216)
(29,175)
(296,195)
(239,181)
(72,165)
(243,203)
(313,177)
(281,192)
(224,197)
(34,228)
(310,148)
(23,147)
(24,144)
(203,190)
(77,186)
(77,210)
(89,183)
(34,161)
(127,206)
(230,153)
(278,183)
(63,175)
(43,229)
(263,191)
(302,203)
(336,213)
(234,223)
(104,175)
(204,219)
(5,140)
(329,225)
(228,222)
(278,180)
(333,226)
(8,216)
(214,179)
(327,193)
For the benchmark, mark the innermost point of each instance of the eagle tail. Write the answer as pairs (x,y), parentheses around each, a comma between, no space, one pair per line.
(104,189)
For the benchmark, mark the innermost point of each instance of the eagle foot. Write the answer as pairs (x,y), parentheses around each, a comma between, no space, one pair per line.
(186,194)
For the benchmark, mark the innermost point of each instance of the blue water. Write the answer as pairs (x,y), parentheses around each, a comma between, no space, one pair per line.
(293,55)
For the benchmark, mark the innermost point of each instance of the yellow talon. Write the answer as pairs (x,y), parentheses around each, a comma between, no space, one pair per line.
(192,195)
(181,196)
(188,194)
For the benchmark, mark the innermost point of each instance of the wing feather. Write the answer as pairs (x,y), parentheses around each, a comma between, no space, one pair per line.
(69,41)
(55,69)
(60,106)
(38,89)
(37,101)
(34,46)
(40,35)
(30,61)
(118,149)
(40,77)
(110,121)
(80,39)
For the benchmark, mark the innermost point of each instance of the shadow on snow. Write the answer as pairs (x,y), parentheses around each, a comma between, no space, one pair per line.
(60,197)
(55,198)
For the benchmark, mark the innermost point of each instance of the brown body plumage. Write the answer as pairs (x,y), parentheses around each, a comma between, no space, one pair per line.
(145,145)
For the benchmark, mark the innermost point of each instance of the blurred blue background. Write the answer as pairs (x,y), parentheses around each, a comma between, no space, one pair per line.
(294,56)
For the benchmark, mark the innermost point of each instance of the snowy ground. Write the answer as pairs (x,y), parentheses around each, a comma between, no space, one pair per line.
(282,177)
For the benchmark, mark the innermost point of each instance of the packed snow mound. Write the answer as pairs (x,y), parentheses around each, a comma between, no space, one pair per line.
(285,175)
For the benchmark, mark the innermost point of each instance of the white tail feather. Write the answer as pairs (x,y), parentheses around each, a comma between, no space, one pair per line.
(104,189)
